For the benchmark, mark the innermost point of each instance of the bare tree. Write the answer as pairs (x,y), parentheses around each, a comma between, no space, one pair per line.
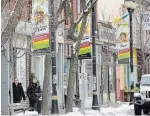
(142,38)
(87,6)
(10,20)
(14,18)
(46,85)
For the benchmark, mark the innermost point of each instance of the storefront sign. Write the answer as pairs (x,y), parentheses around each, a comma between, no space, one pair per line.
(107,33)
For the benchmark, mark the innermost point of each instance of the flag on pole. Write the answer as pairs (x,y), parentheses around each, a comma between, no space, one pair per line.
(118,19)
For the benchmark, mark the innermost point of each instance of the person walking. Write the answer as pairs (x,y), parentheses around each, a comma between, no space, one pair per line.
(29,89)
(34,94)
(18,92)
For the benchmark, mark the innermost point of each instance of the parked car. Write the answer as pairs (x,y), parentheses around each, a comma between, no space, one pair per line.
(142,99)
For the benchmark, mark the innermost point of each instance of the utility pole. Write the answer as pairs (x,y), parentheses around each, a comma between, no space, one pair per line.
(52,22)
(95,105)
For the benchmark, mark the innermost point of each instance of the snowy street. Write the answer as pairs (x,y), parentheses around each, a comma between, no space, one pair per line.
(124,109)
(75,57)
(120,108)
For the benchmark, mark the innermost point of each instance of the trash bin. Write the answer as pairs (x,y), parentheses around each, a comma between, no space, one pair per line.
(39,105)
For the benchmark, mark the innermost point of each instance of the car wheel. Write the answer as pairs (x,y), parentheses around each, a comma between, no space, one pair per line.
(145,111)
(137,109)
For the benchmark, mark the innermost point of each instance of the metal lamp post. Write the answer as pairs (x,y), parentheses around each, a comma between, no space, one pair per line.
(95,105)
(131,5)
(54,106)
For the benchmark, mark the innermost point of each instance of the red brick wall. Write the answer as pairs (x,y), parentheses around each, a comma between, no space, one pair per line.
(11,4)
(26,9)
(74,8)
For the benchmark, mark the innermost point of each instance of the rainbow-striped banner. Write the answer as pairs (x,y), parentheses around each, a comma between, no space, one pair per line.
(85,45)
(85,48)
(40,41)
(123,53)
(40,22)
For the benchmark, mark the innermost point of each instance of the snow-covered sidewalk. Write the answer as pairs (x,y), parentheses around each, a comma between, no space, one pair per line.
(124,109)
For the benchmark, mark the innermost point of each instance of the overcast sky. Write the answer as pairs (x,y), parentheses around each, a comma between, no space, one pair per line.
(108,9)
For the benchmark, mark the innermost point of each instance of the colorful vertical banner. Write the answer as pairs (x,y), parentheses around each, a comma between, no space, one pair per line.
(85,46)
(135,66)
(122,77)
(40,24)
(134,56)
(123,53)
(123,44)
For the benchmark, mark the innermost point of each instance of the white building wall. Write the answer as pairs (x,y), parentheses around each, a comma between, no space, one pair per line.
(21,67)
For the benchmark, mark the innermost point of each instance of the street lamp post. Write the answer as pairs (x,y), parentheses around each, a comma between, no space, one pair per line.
(54,107)
(131,40)
(95,105)
(131,5)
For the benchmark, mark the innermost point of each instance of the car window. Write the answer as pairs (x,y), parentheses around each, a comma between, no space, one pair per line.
(145,80)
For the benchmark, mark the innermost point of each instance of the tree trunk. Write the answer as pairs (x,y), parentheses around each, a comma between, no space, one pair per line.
(143,69)
(71,81)
(46,86)
(74,65)
(143,64)
(147,65)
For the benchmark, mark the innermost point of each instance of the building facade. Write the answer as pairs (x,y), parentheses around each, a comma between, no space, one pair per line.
(14,47)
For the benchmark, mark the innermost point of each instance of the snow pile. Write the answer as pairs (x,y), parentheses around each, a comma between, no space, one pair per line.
(75,112)
(124,109)
(32,113)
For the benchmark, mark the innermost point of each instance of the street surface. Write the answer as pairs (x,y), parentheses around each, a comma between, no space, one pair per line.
(114,110)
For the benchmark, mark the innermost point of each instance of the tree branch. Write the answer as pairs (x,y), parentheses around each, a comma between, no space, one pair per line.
(89,8)
(61,7)
(61,21)
(3,4)
(71,15)
(81,31)
(148,39)
(79,19)
(14,19)
(147,58)
(86,10)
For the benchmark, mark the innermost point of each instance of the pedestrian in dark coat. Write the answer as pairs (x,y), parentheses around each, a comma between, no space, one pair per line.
(18,92)
(34,94)
(29,89)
